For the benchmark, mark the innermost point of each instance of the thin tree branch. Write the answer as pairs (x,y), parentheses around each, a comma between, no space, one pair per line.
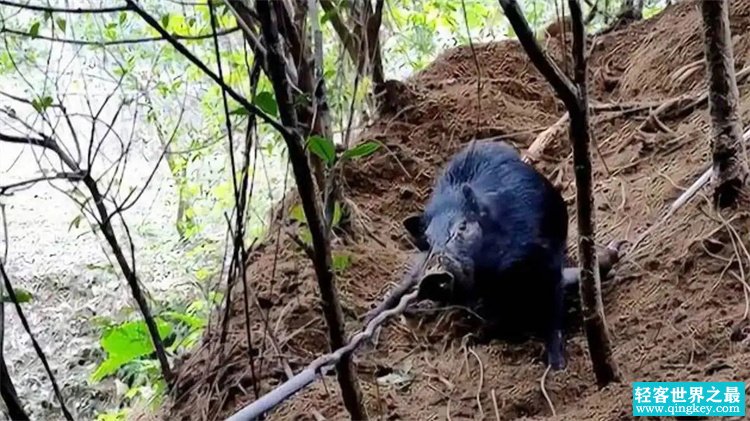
(344,33)
(9,394)
(43,141)
(12,294)
(117,41)
(237,266)
(560,83)
(105,224)
(306,188)
(76,176)
(107,229)
(74,10)
(595,325)
(373,42)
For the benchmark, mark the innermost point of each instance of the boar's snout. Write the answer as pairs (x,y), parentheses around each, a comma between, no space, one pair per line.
(439,278)
(437,286)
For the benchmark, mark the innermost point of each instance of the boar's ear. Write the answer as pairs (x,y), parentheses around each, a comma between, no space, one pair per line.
(415,227)
(475,207)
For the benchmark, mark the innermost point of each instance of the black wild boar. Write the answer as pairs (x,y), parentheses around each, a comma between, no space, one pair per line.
(495,234)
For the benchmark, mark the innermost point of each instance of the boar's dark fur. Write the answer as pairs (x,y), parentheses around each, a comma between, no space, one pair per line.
(499,230)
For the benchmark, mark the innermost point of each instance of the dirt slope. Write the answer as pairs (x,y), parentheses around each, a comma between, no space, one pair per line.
(679,296)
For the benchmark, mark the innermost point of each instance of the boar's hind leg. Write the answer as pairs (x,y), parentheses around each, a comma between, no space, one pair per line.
(555,341)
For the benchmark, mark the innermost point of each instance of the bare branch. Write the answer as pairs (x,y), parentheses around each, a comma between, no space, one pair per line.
(595,325)
(729,154)
(75,10)
(12,294)
(306,188)
(560,83)
(4,190)
(116,41)
(105,224)
(43,141)
(8,392)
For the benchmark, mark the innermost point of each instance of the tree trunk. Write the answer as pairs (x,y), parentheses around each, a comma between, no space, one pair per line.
(313,115)
(729,159)
(592,308)
(9,395)
(575,98)
(332,311)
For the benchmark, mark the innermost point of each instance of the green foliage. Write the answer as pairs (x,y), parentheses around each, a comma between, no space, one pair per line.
(341,262)
(125,343)
(41,104)
(22,296)
(76,222)
(61,24)
(360,151)
(266,101)
(323,148)
(118,415)
(337,214)
(34,30)
(297,214)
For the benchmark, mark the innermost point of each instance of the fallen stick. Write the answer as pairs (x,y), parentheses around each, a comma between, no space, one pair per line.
(682,103)
(544,138)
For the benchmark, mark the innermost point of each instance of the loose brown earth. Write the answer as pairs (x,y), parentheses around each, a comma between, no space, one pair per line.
(675,312)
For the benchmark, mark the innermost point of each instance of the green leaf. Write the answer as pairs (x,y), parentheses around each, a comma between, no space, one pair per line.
(193,322)
(123,17)
(266,101)
(325,18)
(165,21)
(61,24)
(75,222)
(305,236)
(341,262)
(22,296)
(337,213)
(297,214)
(126,343)
(47,15)
(34,31)
(360,151)
(239,111)
(41,104)
(202,274)
(323,148)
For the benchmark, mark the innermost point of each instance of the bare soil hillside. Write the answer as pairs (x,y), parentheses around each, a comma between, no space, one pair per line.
(675,311)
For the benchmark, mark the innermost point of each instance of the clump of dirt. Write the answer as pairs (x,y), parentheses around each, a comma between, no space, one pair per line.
(679,297)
